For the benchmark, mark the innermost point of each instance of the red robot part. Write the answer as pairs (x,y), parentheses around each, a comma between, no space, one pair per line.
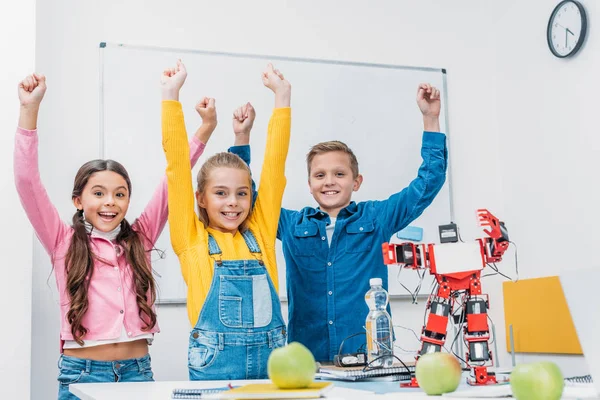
(457,281)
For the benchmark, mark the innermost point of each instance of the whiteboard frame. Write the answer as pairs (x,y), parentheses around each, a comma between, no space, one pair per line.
(443,71)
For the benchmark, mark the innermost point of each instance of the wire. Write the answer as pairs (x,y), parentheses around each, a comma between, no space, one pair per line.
(416,336)
(460,324)
(486,275)
(408,329)
(401,284)
(492,336)
(516,260)
(495,268)
(415,293)
(458,231)
(404,351)
(369,367)
(348,337)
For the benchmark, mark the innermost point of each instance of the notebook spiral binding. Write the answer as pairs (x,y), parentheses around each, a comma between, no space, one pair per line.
(360,373)
(185,396)
(195,393)
(580,379)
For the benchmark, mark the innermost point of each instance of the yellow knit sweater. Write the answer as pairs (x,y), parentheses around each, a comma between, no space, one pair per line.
(189,236)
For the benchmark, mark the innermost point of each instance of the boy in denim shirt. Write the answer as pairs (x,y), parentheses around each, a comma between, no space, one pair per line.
(332,251)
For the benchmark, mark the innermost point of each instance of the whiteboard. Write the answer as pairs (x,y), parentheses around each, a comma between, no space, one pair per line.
(370,107)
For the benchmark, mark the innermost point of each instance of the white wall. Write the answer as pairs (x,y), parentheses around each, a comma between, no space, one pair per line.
(497,99)
(17,29)
(548,144)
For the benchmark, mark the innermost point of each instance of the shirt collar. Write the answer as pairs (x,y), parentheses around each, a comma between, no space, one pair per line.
(110,236)
(311,212)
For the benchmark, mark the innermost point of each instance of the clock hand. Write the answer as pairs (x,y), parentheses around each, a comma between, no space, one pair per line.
(568,30)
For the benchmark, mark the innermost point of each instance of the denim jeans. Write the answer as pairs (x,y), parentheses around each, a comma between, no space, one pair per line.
(79,370)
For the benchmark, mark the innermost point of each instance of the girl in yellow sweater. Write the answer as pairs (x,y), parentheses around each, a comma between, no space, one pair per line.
(227,253)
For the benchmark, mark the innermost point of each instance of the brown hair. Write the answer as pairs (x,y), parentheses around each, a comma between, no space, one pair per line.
(327,147)
(80,258)
(221,160)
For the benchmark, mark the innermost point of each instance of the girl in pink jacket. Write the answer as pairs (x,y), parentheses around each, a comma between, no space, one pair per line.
(101,262)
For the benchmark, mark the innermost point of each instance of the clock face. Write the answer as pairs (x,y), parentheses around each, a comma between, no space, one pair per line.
(567,28)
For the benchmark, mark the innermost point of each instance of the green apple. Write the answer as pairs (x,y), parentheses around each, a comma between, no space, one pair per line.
(537,381)
(291,367)
(438,373)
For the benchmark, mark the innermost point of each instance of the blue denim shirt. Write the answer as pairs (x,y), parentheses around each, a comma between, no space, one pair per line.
(326,284)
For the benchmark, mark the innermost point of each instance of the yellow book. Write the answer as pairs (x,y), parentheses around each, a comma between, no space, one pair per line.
(270,391)
(540,317)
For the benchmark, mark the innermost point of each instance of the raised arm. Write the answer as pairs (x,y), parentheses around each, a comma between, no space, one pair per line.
(155,215)
(243,120)
(404,207)
(182,217)
(272,180)
(41,212)
(428,100)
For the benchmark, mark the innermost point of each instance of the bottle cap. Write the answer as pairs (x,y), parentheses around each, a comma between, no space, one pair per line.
(375,282)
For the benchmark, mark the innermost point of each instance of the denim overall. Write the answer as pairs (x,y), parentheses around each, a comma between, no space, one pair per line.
(240,322)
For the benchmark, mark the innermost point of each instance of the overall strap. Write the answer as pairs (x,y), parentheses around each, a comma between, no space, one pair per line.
(213,247)
(253,245)
(251,241)
(215,251)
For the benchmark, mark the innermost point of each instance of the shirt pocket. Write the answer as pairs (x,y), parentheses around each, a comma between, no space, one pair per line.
(307,240)
(360,236)
(256,308)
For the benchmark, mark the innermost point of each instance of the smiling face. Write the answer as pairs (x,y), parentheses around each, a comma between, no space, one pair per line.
(331,181)
(226,198)
(104,200)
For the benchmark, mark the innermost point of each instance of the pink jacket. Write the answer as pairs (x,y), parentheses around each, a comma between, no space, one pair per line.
(111,292)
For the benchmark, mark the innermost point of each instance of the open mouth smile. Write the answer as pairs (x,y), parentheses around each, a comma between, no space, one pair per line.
(231,215)
(107,216)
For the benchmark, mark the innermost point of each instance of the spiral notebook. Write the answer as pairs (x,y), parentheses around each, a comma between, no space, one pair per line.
(198,393)
(254,391)
(359,373)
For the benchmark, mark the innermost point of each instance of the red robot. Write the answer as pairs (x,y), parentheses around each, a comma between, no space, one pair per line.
(457,269)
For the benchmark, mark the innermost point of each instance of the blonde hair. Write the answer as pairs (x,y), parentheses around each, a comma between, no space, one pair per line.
(221,160)
(327,147)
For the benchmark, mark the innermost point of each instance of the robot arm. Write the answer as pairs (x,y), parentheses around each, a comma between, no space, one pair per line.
(497,241)
(408,254)
(421,256)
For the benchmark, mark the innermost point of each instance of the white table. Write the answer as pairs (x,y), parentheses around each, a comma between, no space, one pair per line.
(162,390)
(342,390)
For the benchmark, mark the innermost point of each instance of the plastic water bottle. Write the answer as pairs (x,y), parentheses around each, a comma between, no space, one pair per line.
(380,339)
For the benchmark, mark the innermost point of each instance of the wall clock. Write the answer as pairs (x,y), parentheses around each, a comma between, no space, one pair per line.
(567,28)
